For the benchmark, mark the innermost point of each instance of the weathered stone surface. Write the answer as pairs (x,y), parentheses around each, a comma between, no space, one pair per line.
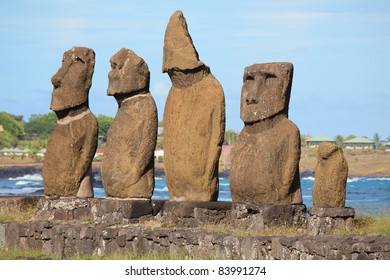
(128,161)
(2,235)
(324,221)
(254,216)
(107,211)
(17,203)
(265,160)
(71,147)
(193,214)
(331,212)
(194,119)
(179,50)
(67,240)
(331,174)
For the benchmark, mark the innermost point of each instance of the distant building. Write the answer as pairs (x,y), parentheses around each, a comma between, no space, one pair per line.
(99,152)
(1,128)
(41,152)
(360,143)
(159,155)
(5,151)
(387,146)
(14,152)
(160,131)
(225,155)
(316,141)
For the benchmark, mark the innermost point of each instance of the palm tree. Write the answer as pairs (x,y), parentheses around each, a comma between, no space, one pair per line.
(377,139)
(339,140)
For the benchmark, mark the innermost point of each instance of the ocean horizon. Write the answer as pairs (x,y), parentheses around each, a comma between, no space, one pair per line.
(368,195)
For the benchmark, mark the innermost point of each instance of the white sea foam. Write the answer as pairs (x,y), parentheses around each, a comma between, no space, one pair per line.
(22,183)
(221,191)
(34,177)
(378,179)
(309,178)
(356,179)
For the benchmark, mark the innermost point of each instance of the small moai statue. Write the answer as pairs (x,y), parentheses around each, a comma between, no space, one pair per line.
(265,160)
(128,160)
(194,119)
(66,171)
(330,177)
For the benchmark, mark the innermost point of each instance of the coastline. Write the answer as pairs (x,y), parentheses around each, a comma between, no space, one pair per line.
(12,170)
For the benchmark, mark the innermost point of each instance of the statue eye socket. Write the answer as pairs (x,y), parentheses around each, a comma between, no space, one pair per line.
(270,79)
(76,58)
(249,77)
(114,65)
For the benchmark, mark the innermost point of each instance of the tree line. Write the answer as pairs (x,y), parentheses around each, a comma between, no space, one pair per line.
(33,134)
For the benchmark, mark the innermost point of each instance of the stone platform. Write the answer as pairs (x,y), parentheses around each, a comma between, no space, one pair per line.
(241,215)
(324,221)
(181,214)
(17,203)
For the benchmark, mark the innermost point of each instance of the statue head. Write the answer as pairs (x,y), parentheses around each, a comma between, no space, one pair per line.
(129,73)
(266,91)
(326,150)
(179,51)
(73,80)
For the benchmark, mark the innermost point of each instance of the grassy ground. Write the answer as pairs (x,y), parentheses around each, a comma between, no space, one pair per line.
(17,254)
(17,160)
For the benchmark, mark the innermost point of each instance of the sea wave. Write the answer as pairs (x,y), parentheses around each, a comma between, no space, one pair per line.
(34,177)
(165,189)
(378,179)
(354,179)
(309,178)
(22,183)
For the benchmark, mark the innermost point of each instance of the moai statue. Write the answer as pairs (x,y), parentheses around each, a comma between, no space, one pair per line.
(128,161)
(265,160)
(194,119)
(72,145)
(330,177)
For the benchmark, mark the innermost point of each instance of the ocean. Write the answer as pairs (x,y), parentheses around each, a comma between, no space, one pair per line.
(369,195)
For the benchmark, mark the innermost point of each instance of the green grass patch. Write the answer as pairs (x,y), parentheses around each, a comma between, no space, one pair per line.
(18,254)
(366,224)
(18,216)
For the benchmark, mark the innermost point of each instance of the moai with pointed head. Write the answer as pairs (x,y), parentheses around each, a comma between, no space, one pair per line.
(194,119)
(265,160)
(72,145)
(331,174)
(128,160)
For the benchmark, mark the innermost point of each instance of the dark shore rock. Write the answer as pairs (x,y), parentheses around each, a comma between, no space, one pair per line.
(13,171)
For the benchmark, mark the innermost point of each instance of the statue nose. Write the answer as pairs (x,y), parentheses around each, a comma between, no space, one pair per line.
(56,81)
(250,101)
(251,97)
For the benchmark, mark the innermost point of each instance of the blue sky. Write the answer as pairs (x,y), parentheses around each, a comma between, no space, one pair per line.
(340,51)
